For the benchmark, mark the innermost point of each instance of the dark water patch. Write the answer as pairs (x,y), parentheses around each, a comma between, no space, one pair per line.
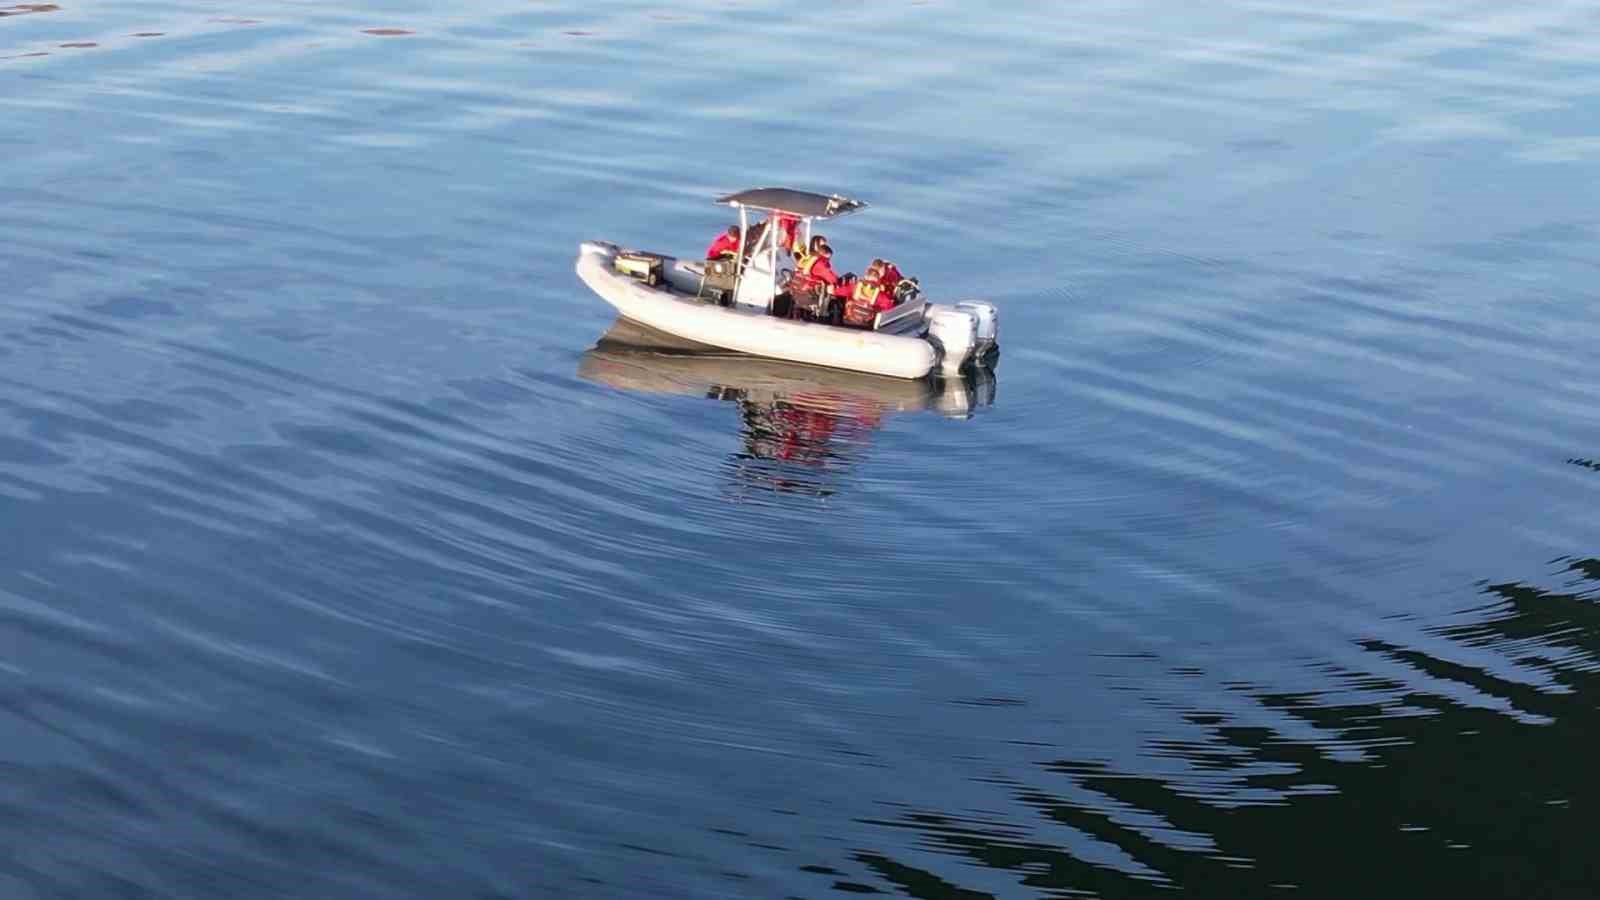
(287,461)
(1411,740)
(149,413)
(23,9)
(327,438)
(212,395)
(52,333)
(291,335)
(990,701)
(134,308)
(1258,145)
(83,326)
(17,450)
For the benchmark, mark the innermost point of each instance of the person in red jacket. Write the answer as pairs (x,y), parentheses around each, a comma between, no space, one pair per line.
(814,279)
(815,267)
(867,298)
(889,275)
(726,244)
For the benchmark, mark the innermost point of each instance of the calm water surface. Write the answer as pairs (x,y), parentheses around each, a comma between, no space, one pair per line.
(343,558)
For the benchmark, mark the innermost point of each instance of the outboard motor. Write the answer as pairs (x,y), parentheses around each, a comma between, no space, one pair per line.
(988,326)
(955,331)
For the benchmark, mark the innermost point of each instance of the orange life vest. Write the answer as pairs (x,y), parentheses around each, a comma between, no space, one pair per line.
(802,282)
(802,279)
(862,305)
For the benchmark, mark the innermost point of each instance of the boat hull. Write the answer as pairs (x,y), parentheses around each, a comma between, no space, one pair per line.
(752,331)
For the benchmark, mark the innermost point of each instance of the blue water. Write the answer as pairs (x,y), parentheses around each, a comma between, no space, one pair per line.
(343,558)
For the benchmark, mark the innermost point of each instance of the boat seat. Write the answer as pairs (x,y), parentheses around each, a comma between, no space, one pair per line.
(717,277)
(905,318)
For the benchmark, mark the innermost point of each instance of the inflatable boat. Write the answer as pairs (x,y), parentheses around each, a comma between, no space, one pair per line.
(731,303)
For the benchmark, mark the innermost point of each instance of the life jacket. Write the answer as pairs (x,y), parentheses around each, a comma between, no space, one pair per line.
(862,305)
(802,271)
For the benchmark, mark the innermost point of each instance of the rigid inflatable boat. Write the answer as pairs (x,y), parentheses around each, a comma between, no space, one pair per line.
(729,304)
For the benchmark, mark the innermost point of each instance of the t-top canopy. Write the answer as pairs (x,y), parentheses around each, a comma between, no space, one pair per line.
(800,203)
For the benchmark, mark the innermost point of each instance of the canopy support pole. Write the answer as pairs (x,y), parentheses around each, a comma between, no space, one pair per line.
(738,260)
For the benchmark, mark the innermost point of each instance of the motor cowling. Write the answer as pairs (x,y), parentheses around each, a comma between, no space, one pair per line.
(956,333)
(988,325)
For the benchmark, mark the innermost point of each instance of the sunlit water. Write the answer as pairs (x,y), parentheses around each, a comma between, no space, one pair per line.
(339,561)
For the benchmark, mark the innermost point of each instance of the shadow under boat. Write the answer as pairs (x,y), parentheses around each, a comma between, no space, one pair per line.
(803,426)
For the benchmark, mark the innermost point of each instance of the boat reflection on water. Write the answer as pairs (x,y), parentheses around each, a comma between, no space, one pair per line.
(802,426)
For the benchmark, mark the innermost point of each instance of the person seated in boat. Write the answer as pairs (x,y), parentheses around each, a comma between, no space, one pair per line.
(726,244)
(898,286)
(814,280)
(816,263)
(889,274)
(814,267)
(867,298)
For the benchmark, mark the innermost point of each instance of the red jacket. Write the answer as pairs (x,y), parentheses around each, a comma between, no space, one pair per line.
(864,300)
(822,271)
(790,225)
(890,277)
(724,244)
